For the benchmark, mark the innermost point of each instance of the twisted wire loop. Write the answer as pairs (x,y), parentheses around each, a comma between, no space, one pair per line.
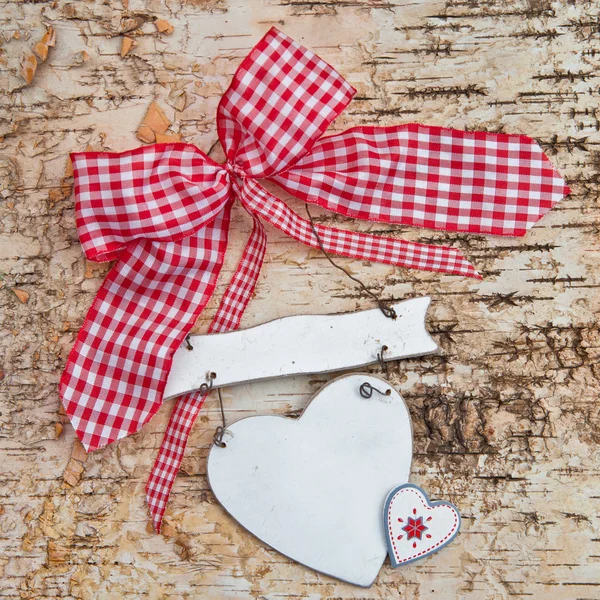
(384,305)
(366,390)
(206,387)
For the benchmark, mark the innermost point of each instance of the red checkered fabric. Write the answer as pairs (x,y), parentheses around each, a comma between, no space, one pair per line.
(281,100)
(353,244)
(115,375)
(240,290)
(164,192)
(227,318)
(167,463)
(162,212)
(432,177)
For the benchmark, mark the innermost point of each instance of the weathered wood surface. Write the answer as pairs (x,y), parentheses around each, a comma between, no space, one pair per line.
(505,419)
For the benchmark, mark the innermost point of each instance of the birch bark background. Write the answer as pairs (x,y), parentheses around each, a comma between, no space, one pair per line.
(505,419)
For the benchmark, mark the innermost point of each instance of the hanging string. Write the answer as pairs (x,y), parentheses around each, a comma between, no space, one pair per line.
(206,388)
(384,306)
(220,431)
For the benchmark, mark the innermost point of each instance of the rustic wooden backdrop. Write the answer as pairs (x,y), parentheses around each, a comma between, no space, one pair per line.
(505,419)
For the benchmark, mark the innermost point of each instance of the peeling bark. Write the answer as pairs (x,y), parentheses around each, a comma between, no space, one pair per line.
(506,420)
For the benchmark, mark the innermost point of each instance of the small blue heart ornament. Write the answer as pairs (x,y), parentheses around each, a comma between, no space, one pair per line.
(416,527)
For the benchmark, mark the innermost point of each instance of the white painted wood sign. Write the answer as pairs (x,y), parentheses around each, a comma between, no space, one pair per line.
(314,488)
(301,344)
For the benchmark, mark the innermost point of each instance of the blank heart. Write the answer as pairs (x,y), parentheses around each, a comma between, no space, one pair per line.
(314,488)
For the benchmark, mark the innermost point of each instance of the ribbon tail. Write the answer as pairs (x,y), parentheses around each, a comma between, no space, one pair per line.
(240,289)
(186,409)
(116,372)
(426,176)
(352,244)
(167,463)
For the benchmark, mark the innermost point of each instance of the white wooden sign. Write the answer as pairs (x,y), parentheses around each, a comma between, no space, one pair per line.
(301,344)
(314,488)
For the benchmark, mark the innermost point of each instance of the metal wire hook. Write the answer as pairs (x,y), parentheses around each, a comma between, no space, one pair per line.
(382,362)
(384,306)
(366,390)
(206,387)
(220,430)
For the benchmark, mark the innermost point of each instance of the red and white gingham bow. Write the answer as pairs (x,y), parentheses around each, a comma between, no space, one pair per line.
(162,212)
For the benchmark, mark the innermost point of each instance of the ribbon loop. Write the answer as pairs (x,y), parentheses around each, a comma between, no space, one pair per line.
(163,192)
(281,100)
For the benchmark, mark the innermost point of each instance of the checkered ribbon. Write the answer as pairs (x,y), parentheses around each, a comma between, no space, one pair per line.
(162,212)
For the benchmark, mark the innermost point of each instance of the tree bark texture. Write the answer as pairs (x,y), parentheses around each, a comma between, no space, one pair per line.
(506,419)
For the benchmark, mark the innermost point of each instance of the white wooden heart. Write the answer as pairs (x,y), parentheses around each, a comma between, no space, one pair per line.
(415,526)
(314,488)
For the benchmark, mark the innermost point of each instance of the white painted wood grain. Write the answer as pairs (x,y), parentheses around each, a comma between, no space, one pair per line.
(314,488)
(301,344)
